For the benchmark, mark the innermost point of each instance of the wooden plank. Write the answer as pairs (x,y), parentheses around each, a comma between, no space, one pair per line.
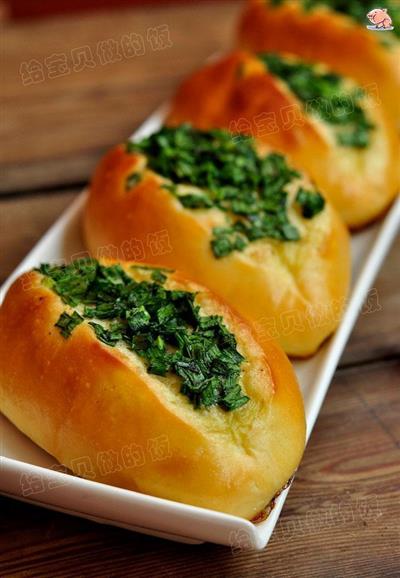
(341,517)
(55,129)
(23,220)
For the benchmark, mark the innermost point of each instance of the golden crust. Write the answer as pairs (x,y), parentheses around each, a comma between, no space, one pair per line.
(293,291)
(90,404)
(237,93)
(326,36)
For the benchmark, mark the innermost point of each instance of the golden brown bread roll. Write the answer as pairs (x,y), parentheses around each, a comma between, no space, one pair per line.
(342,139)
(141,379)
(315,30)
(244,235)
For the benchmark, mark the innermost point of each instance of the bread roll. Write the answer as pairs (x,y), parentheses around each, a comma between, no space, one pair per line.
(344,141)
(335,37)
(293,290)
(98,399)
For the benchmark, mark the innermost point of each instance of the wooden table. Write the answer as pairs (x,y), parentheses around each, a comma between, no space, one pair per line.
(342,515)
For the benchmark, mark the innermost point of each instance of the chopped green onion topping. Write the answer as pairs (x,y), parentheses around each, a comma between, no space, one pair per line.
(67,323)
(132,180)
(164,327)
(311,203)
(323,95)
(228,175)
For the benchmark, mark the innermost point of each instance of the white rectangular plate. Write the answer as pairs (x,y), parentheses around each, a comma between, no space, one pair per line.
(28,473)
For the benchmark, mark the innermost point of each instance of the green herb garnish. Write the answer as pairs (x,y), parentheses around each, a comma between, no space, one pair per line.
(71,287)
(164,327)
(157,274)
(132,180)
(192,201)
(311,203)
(229,175)
(323,95)
(107,336)
(67,323)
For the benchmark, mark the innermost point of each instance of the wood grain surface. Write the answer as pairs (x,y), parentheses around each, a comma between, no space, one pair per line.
(54,130)
(342,515)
